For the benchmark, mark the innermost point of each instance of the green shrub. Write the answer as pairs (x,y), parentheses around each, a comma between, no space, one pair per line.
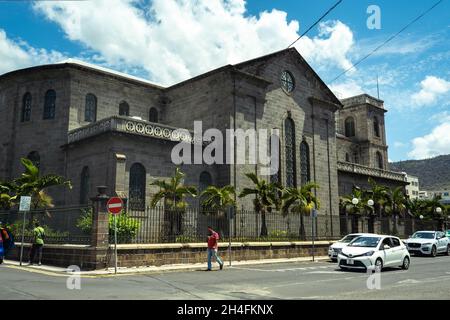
(17,226)
(127,227)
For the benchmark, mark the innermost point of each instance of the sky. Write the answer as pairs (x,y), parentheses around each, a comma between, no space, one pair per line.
(167,41)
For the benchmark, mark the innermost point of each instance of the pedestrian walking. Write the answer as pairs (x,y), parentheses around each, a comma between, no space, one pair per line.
(7,239)
(213,239)
(38,243)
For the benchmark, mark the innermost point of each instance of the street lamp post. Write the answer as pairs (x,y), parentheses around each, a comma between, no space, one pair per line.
(370,203)
(438,210)
(355,202)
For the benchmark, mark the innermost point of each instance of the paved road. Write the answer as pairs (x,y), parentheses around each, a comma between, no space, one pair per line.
(428,278)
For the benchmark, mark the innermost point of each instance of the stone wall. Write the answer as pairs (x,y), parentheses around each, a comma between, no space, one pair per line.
(164,254)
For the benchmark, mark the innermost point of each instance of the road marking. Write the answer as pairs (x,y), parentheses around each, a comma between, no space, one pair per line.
(285,269)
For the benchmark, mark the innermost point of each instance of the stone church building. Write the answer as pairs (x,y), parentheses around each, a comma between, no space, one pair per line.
(97,127)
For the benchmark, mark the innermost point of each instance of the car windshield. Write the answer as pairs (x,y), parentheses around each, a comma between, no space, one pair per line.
(367,242)
(423,235)
(348,238)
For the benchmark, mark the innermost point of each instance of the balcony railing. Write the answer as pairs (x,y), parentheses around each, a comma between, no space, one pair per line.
(373,172)
(132,126)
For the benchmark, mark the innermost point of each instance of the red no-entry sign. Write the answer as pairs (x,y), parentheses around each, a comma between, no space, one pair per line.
(114,205)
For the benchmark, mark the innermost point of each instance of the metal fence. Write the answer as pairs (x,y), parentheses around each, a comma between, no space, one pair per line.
(61,225)
(159,225)
(73,225)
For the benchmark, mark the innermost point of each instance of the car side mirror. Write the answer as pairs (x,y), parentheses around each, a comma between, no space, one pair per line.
(386,247)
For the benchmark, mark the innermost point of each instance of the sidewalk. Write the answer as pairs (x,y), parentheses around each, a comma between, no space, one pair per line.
(153,269)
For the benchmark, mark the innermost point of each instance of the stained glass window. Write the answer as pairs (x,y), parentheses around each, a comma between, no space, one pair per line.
(137,187)
(289,140)
(304,163)
(90,110)
(287,81)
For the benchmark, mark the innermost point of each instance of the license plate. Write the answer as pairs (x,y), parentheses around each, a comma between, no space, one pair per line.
(350,261)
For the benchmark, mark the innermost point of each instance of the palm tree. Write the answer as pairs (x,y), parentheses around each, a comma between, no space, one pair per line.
(266,198)
(174,193)
(31,183)
(396,203)
(431,206)
(219,199)
(300,201)
(8,195)
(379,195)
(359,209)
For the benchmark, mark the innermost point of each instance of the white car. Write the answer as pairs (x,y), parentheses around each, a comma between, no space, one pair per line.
(374,251)
(428,243)
(336,247)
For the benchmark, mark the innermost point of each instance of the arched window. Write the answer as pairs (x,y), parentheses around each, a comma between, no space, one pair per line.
(380,160)
(275,178)
(124,109)
(50,104)
(84,186)
(90,109)
(347,157)
(356,157)
(205,181)
(26,107)
(289,140)
(153,115)
(349,127)
(376,127)
(34,157)
(305,175)
(137,187)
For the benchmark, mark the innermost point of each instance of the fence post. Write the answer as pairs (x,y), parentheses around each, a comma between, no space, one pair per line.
(100,228)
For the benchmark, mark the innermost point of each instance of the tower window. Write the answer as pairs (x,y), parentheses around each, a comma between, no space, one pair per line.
(153,115)
(376,127)
(50,104)
(349,127)
(124,109)
(90,109)
(26,107)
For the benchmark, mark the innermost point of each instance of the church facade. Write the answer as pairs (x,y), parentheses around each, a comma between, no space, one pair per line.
(99,127)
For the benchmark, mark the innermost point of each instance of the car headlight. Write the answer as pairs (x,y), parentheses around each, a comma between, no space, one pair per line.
(368,254)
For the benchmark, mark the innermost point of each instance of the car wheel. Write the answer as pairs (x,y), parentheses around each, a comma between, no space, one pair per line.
(433,251)
(378,264)
(406,263)
(447,253)
(1,260)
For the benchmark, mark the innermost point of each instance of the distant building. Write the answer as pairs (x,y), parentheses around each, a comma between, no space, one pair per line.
(412,189)
(443,194)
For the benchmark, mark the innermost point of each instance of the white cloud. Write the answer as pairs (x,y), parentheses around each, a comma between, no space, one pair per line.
(346,89)
(433,144)
(18,54)
(174,40)
(398,144)
(432,88)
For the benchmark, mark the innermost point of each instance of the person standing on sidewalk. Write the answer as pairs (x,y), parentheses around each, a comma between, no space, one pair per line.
(38,243)
(213,238)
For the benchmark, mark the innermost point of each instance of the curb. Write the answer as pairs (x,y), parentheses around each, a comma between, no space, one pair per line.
(58,271)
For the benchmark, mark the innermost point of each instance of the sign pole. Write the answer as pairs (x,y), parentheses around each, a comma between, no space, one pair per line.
(115,244)
(23,237)
(313,234)
(229,234)
(24,206)
(115,207)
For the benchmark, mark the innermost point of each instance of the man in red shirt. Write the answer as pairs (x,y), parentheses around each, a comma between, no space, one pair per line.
(213,238)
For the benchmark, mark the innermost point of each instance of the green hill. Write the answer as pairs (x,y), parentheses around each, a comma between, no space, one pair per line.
(433,173)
